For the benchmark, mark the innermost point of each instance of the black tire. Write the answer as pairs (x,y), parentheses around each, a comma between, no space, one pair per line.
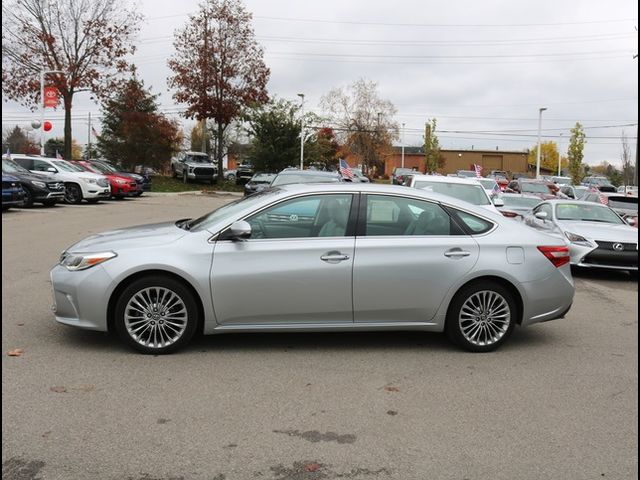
(490,333)
(633,274)
(166,283)
(27,202)
(49,203)
(73,193)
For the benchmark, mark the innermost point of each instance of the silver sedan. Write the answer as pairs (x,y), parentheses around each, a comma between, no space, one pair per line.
(331,257)
(598,237)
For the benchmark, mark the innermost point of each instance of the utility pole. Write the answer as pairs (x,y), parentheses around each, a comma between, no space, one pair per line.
(89,138)
(540,110)
(403,145)
(560,156)
(301,95)
(206,56)
(427,146)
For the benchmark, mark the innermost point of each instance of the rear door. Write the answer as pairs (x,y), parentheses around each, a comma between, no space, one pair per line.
(408,254)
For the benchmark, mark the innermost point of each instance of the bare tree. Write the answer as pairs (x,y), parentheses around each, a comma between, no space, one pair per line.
(628,169)
(362,121)
(218,67)
(88,40)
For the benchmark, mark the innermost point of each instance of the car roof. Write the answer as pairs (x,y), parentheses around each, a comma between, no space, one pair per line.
(308,172)
(442,179)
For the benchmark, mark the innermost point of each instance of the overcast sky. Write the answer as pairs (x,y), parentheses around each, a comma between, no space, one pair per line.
(474,66)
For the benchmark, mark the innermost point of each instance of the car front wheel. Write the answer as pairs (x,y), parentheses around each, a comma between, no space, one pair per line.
(73,193)
(481,316)
(156,315)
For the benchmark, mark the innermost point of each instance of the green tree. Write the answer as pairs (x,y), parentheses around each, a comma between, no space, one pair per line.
(433,159)
(321,149)
(17,140)
(275,133)
(133,130)
(54,147)
(575,153)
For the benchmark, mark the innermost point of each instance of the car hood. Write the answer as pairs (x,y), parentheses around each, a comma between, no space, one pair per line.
(601,231)
(131,237)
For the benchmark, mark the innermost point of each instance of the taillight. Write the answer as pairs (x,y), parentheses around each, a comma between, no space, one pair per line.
(509,214)
(559,256)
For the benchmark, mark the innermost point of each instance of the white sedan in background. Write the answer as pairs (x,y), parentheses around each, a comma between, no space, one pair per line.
(79,184)
(467,189)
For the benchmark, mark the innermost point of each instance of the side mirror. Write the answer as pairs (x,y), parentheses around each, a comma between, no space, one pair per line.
(541,215)
(52,170)
(631,221)
(240,230)
(498,202)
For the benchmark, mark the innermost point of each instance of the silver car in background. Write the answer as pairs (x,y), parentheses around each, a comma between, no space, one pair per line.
(598,237)
(317,257)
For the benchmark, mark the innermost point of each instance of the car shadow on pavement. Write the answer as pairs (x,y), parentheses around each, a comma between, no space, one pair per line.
(598,274)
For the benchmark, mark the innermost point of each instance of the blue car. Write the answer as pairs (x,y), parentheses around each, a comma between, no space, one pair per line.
(12,192)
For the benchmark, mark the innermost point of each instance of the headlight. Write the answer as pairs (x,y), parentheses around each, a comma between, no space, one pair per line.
(121,182)
(82,261)
(573,238)
(39,184)
(90,180)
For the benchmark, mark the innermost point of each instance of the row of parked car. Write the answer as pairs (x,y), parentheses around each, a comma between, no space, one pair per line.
(29,179)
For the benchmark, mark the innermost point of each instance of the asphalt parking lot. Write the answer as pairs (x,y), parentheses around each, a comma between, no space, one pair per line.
(559,401)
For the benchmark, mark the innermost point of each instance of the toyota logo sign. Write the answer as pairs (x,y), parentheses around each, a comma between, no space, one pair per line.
(618,247)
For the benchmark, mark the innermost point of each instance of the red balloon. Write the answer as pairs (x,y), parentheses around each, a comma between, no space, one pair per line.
(47,126)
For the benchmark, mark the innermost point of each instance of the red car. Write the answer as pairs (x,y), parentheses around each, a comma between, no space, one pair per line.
(121,186)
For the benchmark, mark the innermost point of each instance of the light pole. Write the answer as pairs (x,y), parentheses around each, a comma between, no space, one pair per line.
(560,156)
(540,110)
(403,145)
(301,95)
(42,74)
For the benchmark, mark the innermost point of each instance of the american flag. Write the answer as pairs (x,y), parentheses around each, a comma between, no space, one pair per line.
(478,169)
(58,156)
(603,200)
(345,170)
(496,188)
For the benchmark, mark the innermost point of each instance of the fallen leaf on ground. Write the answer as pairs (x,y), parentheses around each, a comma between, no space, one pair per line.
(392,389)
(58,389)
(16,352)
(312,467)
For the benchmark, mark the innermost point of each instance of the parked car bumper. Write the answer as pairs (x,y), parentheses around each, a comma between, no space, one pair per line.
(548,298)
(603,257)
(94,191)
(12,197)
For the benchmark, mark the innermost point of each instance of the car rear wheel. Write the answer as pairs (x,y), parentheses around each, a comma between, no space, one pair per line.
(481,316)
(156,315)
(73,193)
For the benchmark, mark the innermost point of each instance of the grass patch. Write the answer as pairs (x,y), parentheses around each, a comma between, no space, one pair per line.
(162,183)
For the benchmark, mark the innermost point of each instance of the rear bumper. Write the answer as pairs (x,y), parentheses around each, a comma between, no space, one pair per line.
(549,298)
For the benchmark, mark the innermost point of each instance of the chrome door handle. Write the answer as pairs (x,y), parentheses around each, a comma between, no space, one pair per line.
(334,257)
(456,253)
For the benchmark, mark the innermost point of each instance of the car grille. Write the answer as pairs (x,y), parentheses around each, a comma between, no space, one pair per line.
(605,255)
(55,186)
(203,171)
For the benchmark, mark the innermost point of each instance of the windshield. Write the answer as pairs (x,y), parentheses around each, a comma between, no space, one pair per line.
(404,171)
(100,167)
(474,194)
(66,166)
(228,211)
(599,181)
(105,166)
(9,166)
(488,184)
(302,178)
(561,180)
(588,212)
(197,159)
(624,203)
(520,201)
(530,187)
(263,178)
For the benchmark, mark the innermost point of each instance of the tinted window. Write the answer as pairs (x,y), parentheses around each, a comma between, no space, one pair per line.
(529,187)
(520,201)
(26,163)
(625,203)
(40,165)
(311,216)
(389,215)
(10,166)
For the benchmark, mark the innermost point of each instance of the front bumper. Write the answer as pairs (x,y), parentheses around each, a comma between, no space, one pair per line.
(604,256)
(80,298)
(13,197)
(94,191)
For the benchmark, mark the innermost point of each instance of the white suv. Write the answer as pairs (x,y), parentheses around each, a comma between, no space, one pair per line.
(467,189)
(79,184)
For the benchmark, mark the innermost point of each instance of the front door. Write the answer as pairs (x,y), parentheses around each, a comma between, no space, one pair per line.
(295,269)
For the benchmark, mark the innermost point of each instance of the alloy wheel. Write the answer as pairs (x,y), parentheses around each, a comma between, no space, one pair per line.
(484,318)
